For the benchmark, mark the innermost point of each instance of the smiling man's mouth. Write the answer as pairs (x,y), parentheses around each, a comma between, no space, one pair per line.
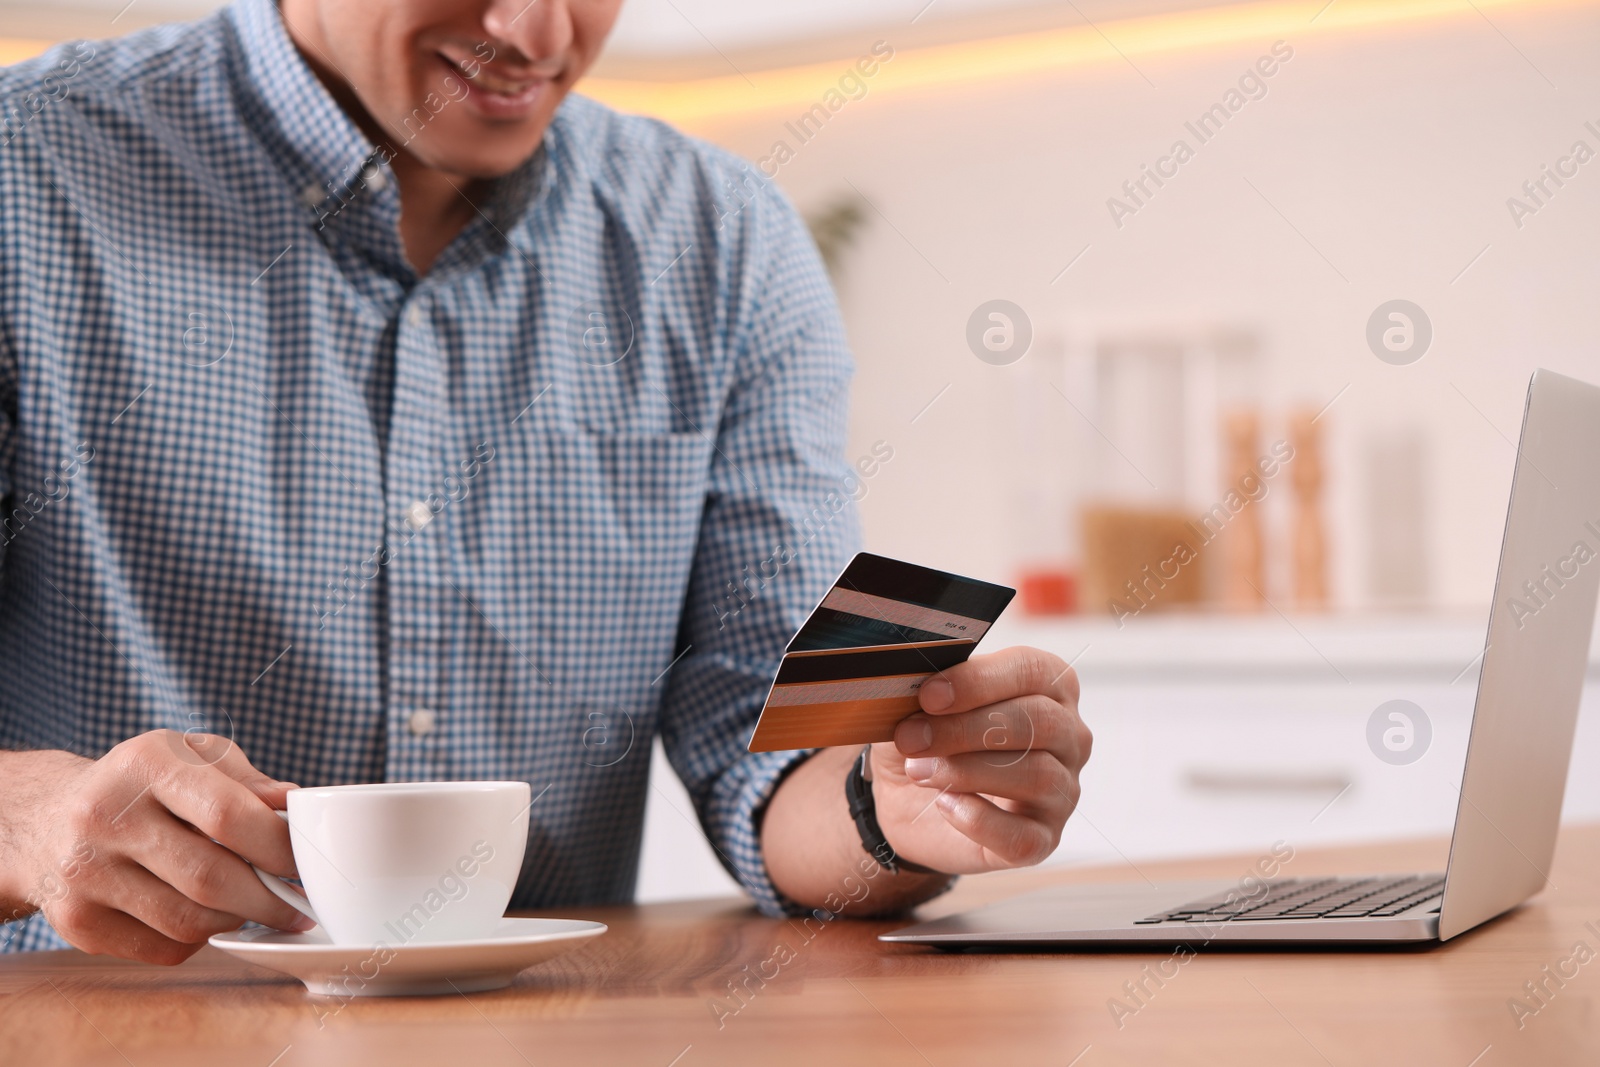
(502,86)
(488,75)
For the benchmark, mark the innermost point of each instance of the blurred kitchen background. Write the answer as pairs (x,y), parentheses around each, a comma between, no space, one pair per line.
(1267,279)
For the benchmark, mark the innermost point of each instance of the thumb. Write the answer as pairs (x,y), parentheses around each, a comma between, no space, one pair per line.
(273,793)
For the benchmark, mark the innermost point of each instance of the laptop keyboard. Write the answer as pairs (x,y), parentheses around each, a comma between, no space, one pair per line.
(1311,898)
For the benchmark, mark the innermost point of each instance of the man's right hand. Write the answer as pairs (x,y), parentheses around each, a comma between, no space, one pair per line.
(138,854)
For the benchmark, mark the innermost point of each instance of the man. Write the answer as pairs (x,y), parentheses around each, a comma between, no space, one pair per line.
(372,409)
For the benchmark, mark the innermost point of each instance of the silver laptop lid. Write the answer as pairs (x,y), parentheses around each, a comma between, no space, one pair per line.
(1534,661)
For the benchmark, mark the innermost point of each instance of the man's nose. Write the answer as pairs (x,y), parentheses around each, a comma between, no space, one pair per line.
(537,29)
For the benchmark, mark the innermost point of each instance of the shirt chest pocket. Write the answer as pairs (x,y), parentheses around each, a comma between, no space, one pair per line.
(596,536)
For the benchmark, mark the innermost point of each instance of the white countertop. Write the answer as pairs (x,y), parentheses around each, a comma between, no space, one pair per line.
(1196,648)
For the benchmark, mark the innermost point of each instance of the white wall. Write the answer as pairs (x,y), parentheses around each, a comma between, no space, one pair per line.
(1391,154)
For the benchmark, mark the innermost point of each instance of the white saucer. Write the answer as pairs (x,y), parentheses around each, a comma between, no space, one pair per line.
(409,970)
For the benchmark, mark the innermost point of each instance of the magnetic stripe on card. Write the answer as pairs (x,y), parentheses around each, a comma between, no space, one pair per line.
(837,665)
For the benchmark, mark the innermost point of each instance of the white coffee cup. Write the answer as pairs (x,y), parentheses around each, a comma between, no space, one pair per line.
(401,863)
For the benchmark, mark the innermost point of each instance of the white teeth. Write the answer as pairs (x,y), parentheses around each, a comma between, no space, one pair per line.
(492,84)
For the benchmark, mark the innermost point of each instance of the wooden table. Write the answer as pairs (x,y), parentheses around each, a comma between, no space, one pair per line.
(655,991)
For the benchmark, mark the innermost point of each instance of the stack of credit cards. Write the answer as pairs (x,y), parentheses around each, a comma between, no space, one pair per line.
(855,668)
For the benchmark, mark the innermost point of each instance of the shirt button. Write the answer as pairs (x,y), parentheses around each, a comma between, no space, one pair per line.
(414,315)
(418,515)
(421,722)
(313,195)
(373,178)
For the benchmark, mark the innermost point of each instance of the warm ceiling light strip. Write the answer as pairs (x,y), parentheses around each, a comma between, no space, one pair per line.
(16,49)
(697,102)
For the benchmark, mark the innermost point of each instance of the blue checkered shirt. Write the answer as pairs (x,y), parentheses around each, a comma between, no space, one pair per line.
(510,519)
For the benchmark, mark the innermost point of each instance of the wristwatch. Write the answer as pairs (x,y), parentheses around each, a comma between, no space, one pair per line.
(864,810)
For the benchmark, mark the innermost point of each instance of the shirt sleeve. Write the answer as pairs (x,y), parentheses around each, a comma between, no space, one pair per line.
(779,525)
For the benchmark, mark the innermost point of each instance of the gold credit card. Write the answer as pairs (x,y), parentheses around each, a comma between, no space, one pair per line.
(855,668)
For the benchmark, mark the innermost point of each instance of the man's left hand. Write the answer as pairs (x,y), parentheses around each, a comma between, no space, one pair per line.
(984,777)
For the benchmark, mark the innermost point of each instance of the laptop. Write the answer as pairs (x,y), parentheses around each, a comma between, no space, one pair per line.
(1529,684)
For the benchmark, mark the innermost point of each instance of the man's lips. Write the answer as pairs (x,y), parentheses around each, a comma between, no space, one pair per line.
(501,94)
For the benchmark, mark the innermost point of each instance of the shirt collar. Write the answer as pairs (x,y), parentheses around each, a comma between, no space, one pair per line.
(332,168)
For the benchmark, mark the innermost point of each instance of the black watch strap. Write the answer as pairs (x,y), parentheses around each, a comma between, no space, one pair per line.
(864,810)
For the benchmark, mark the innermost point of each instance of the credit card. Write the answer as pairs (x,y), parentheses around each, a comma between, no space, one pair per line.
(855,668)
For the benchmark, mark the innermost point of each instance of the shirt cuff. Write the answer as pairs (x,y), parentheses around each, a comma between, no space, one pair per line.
(733,821)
